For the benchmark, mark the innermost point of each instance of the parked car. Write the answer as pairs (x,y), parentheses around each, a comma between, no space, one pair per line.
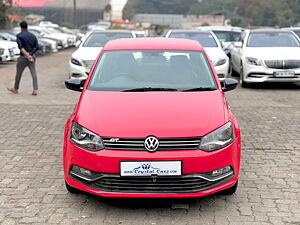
(211,45)
(47,24)
(227,35)
(2,55)
(83,58)
(4,35)
(44,48)
(46,33)
(152,121)
(52,41)
(11,50)
(71,38)
(267,56)
(140,33)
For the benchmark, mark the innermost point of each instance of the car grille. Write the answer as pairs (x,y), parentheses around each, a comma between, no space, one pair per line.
(11,52)
(88,63)
(282,64)
(189,143)
(182,184)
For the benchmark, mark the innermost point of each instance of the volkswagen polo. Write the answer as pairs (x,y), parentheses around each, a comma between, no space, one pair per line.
(152,121)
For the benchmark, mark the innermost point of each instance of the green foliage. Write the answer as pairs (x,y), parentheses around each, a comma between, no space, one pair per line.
(4,4)
(258,12)
(157,6)
(235,22)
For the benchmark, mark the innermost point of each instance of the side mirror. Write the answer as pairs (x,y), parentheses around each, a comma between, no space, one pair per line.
(229,84)
(238,44)
(75,84)
(78,43)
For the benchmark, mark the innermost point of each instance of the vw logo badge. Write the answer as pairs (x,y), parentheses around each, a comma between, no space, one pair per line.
(151,143)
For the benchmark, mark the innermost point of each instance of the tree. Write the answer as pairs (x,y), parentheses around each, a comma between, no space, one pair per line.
(108,10)
(4,5)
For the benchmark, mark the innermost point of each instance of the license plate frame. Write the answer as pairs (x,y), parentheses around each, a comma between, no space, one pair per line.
(150,168)
(283,74)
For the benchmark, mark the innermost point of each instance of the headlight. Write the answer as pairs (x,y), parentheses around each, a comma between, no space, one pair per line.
(217,139)
(253,61)
(219,62)
(84,138)
(76,62)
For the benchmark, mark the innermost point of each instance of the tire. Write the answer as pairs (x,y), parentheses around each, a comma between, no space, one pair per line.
(230,190)
(71,189)
(242,81)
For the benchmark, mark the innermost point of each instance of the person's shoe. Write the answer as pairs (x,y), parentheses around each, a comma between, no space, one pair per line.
(13,90)
(34,92)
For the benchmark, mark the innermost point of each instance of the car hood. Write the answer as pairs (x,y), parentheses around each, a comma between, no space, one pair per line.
(162,114)
(57,36)
(8,44)
(85,53)
(215,53)
(273,53)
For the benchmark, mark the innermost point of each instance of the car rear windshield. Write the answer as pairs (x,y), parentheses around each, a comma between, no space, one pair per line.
(100,39)
(134,69)
(205,39)
(273,39)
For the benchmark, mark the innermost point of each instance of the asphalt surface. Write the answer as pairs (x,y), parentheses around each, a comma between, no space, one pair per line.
(31,175)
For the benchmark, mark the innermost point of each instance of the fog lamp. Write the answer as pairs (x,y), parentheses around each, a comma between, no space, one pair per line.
(82,171)
(221,171)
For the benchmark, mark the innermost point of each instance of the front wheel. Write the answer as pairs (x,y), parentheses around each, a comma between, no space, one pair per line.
(242,81)
(230,190)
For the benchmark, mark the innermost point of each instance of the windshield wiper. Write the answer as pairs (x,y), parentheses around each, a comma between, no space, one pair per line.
(201,89)
(144,89)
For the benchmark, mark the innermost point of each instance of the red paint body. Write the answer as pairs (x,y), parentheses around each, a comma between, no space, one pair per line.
(162,114)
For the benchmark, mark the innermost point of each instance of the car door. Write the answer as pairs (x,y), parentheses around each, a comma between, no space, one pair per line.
(237,52)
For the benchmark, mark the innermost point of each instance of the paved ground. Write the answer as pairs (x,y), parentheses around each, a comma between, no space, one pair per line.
(32,186)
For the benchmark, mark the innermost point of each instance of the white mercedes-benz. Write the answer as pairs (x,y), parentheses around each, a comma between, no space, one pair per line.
(83,58)
(212,47)
(267,56)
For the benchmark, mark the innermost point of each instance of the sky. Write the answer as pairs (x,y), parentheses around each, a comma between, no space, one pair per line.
(31,3)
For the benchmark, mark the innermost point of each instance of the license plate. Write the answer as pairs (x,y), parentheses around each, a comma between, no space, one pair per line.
(149,168)
(284,74)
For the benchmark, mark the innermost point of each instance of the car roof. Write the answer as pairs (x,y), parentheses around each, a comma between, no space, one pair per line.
(270,31)
(221,28)
(109,31)
(153,43)
(190,31)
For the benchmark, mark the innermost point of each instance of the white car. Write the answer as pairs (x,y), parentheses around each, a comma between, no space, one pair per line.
(70,37)
(267,56)
(83,58)
(48,24)
(227,35)
(11,51)
(46,33)
(211,46)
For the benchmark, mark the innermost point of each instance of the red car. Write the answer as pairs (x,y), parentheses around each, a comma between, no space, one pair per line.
(152,121)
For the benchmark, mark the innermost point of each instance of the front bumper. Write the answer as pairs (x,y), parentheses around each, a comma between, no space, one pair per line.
(259,74)
(193,162)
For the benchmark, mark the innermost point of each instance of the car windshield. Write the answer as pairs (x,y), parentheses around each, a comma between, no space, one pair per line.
(227,36)
(100,39)
(272,39)
(147,70)
(205,39)
(55,30)
(297,32)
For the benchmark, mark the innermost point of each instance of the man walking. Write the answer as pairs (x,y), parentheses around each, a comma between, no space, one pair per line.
(28,46)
